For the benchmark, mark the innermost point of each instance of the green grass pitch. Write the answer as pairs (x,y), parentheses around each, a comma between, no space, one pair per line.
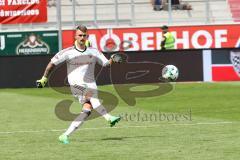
(195,121)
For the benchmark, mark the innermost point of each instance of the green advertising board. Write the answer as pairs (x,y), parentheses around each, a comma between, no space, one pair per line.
(28,43)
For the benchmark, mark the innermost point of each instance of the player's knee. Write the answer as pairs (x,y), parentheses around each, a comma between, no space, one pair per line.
(87,106)
(86,111)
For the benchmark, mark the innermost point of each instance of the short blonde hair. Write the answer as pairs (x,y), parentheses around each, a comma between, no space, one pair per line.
(82,28)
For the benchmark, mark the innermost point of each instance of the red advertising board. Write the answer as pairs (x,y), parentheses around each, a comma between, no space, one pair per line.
(23,11)
(143,39)
(225,65)
(224,73)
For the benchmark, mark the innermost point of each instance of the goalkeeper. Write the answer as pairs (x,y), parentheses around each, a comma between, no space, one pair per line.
(81,62)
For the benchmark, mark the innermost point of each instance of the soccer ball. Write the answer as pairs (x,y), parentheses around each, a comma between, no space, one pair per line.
(170,72)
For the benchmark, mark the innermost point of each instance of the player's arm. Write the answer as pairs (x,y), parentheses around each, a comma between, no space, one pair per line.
(60,57)
(48,69)
(42,82)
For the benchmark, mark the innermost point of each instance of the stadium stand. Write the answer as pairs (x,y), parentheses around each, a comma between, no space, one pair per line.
(143,13)
(132,13)
(235,9)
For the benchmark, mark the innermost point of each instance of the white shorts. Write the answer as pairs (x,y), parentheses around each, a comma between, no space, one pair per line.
(84,92)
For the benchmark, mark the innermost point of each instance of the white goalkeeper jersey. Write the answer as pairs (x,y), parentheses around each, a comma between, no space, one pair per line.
(80,64)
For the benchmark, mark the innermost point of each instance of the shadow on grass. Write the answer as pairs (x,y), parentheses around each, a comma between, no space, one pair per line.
(123,138)
(113,138)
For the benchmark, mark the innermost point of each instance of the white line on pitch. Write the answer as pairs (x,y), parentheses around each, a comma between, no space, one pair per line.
(148,126)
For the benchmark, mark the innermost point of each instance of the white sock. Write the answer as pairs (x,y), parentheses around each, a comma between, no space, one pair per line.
(77,122)
(107,116)
(74,126)
(100,108)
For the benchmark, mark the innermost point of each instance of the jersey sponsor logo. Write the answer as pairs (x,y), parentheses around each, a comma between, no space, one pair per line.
(32,45)
(2,42)
(80,60)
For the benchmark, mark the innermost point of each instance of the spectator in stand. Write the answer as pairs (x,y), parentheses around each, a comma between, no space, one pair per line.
(157,5)
(177,5)
(51,3)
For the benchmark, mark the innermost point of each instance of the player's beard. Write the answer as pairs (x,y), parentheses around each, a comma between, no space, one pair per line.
(81,43)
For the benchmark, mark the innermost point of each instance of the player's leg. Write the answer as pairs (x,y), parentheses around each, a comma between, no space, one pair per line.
(102,111)
(89,92)
(86,111)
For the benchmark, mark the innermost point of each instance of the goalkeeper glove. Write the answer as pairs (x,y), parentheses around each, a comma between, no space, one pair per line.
(117,58)
(42,82)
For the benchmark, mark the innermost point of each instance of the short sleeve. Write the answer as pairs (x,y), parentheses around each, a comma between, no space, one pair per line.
(59,57)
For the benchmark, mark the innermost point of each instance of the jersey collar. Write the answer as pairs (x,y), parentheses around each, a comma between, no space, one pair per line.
(78,49)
